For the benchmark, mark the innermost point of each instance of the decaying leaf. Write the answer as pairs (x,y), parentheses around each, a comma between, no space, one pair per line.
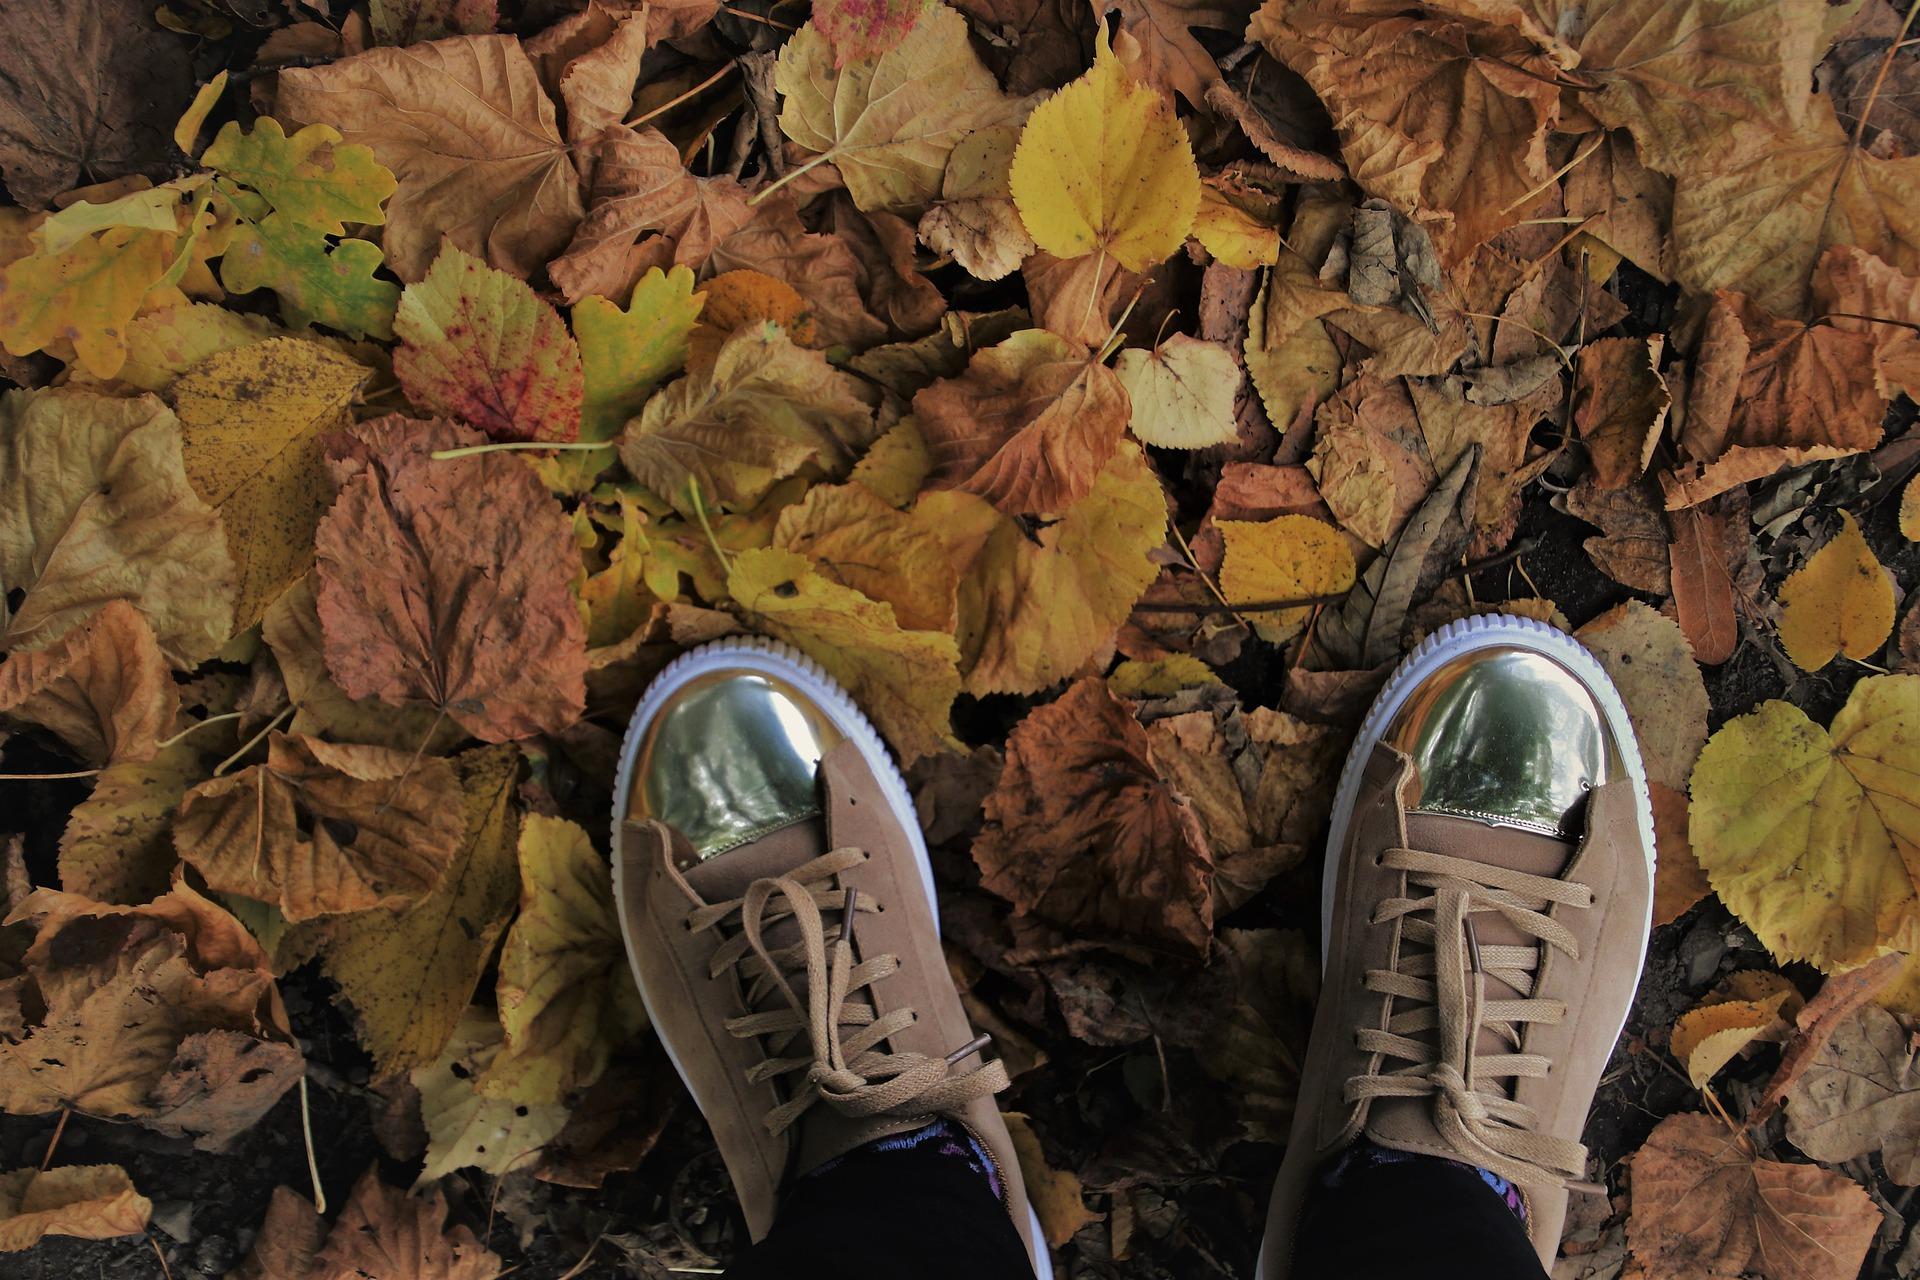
(466,1129)
(1710,1035)
(383,1231)
(1861,1093)
(103,688)
(1646,654)
(1620,407)
(92,1202)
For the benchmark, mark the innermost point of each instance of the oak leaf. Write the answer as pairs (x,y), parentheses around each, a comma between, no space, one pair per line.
(467,1128)
(1704,1205)
(1839,601)
(1082,831)
(1807,834)
(91,1202)
(859,541)
(1287,558)
(888,125)
(1104,168)
(317,280)
(764,410)
(323,828)
(163,344)
(906,680)
(83,297)
(95,505)
(1646,654)
(420,601)
(1029,426)
(565,994)
(1181,392)
(103,688)
(385,1232)
(478,345)
(251,420)
(1035,607)
(470,135)
(407,975)
(1859,1094)
(308,178)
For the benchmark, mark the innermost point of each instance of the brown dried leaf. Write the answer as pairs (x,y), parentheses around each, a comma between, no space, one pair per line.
(1679,881)
(287,1243)
(822,269)
(1861,1093)
(1861,294)
(1620,404)
(91,1202)
(103,688)
(1702,586)
(385,1232)
(1631,547)
(1646,654)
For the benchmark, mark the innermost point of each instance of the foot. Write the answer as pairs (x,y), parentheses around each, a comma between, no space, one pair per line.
(778,908)
(1486,904)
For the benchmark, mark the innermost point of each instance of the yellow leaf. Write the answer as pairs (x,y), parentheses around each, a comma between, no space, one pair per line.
(1035,607)
(465,1128)
(1159,677)
(1233,235)
(186,132)
(615,601)
(857,540)
(162,345)
(1055,1192)
(408,974)
(92,1202)
(566,997)
(85,295)
(310,178)
(1812,836)
(250,422)
(897,465)
(1840,601)
(1707,1038)
(1289,356)
(1646,653)
(148,209)
(1182,392)
(906,680)
(1286,558)
(1910,510)
(1103,166)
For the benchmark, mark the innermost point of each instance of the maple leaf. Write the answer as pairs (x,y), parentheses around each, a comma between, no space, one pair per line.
(478,345)
(407,975)
(419,601)
(318,282)
(1029,426)
(1620,407)
(1034,607)
(1103,167)
(92,86)
(1169,55)
(1840,601)
(1286,558)
(469,1129)
(1704,1205)
(1859,1094)
(764,410)
(471,137)
(1647,656)
(592,59)
(566,996)
(1181,392)
(385,1232)
(1082,831)
(95,505)
(91,1202)
(1806,833)
(889,124)
(309,178)
(975,219)
(251,420)
(906,680)
(321,829)
(103,688)
(857,540)
(1447,123)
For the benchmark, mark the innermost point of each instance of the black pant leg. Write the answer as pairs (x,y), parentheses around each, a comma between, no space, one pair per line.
(1413,1220)
(911,1214)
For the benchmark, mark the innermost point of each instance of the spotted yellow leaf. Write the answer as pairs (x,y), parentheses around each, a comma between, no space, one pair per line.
(1286,558)
(1840,601)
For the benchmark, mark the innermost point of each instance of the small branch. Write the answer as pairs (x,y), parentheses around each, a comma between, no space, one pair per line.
(54,1141)
(1854,315)
(1559,173)
(673,102)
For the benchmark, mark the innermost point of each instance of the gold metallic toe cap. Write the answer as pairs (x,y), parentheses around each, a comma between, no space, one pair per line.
(732,755)
(1507,735)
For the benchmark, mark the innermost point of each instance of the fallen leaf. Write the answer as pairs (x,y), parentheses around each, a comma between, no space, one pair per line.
(1289,355)
(566,996)
(1259,1050)
(482,625)
(889,125)
(386,1232)
(1646,654)
(1231,234)
(1452,419)
(821,268)
(1840,601)
(287,1243)
(90,1202)
(906,680)
(1678,879)
(1804,385)
(308,178)
(103,688)
(1082,831)
(466,1128)
(1181,391)
(117,845)
(859,541)
(1055,1192)
(1860,1094)
(1103,167)
(1806,833)
(82,297)
(95,505)
(1705,1206)
(162,345)
(1079,299)
(220,1084)
(478,345)
(1855,291)
(1286,558)
(318,282)
(975,219)
(405,22)
(407,975)
(1160,677)
(1702,585)
(465,127)
(1369,458)
(251,419)
(1620,404)
(322,828)
(1710,1035)
(725,435)
(863,30)
(1029,426)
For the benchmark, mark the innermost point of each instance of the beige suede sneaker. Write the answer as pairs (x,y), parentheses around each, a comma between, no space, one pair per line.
(778,908)
(1485,911)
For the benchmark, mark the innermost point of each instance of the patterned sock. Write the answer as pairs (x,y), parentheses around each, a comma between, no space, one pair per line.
(1364,1155)
(942,1138)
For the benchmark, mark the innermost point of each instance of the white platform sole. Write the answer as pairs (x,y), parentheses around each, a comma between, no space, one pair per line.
(1481,631)
(771,658)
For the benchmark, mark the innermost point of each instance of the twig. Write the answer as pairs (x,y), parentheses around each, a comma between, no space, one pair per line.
(1880,77)
(754,17)
(165,1270)
(313,1166)
(54,1141)
(1521,324)
(673,102)
(1854,315)
(43,777)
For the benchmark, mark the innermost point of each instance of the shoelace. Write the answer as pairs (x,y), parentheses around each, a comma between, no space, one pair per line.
(1443,988)
(841,1062)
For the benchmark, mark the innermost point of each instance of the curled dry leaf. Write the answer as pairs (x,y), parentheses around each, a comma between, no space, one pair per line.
(1840,601)
(421,600)
(1702,584)
(383,1231)
(91,1202)
(103,688)
(1709,1036)
(1620,404)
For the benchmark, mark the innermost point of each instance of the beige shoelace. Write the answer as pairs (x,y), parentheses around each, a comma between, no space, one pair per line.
(842,1063)
(1440,985)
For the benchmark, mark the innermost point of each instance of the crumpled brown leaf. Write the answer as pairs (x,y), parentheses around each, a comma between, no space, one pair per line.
(1620,405)
(447,582)
(1861,1093)
(92,1202)
(1083,832)
(385,1232)
(821,268)
(103,688)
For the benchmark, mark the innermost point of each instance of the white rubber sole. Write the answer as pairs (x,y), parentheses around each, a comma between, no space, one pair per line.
(1481,631)
(771,658)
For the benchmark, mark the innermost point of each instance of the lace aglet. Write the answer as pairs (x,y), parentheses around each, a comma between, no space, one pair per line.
(847,910)
(1473,945)
(972,1046)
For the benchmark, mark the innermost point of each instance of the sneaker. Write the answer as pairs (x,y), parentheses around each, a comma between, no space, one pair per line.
(1484,915)
(778,908)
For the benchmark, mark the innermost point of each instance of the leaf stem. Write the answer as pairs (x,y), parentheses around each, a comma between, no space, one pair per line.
(754,17)
(700,513)
(1559,173)
(789,176)
(306,1129)
(468,451)
(54,1141)
(250,743)
(164,743)
(675,101)
(1880,77)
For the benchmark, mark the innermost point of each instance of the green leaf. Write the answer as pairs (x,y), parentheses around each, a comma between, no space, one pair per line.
(318,282)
